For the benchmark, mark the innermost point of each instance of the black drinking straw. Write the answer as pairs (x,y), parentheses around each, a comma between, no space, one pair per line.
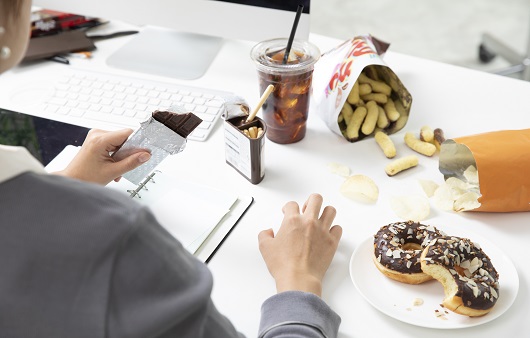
(293,32)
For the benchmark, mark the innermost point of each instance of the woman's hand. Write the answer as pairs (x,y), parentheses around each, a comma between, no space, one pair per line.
(301,252)
(94,163)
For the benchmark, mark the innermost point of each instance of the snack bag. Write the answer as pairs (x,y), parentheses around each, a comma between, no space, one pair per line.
(501,159)
(356,94)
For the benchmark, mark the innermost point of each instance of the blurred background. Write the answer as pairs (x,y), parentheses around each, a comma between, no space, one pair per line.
(448,31)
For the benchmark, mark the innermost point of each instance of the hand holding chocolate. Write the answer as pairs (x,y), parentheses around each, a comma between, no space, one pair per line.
(162,134)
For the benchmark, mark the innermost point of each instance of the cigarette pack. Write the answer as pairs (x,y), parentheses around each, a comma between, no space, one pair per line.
(245,154)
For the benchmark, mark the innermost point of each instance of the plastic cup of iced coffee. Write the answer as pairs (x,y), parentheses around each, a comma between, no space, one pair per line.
(285,111)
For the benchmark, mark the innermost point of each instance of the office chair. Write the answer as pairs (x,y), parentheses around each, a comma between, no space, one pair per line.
(490,47)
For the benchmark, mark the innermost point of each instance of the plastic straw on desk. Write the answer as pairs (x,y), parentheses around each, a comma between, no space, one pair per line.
(264,97)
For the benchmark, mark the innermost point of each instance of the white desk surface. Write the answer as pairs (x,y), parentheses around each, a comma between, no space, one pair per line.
(461,101)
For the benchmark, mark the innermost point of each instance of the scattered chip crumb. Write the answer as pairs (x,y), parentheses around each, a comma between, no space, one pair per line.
(339,169)
(417,302)
(440,315)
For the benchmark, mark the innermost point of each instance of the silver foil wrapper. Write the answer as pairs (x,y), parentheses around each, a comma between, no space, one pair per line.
(155,137)
(455,158)
(234,106)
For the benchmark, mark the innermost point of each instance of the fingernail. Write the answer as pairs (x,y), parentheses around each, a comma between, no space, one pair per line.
(144,157)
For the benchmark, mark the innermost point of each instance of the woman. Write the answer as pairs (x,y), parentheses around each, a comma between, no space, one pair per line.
(79,260)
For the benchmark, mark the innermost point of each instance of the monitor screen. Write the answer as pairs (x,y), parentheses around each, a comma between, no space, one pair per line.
(179,28)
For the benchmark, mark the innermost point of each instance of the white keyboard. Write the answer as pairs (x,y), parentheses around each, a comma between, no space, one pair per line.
(126,101)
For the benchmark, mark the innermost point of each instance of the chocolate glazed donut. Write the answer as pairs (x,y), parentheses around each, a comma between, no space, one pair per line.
(397,250)
(471,283)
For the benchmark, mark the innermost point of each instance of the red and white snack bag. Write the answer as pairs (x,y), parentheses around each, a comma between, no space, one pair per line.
(356,94)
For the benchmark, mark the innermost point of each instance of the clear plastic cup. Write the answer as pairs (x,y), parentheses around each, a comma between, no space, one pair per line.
(285,111)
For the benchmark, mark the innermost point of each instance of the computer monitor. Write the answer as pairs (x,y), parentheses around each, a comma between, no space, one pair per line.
(182,37)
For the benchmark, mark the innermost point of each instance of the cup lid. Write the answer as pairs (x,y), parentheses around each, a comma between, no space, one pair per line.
(262,54)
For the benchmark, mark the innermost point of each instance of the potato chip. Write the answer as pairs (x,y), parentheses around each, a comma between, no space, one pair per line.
(467,201)
(429,187)
(471,175)
(457,195)
(454,182)
(443,197)
(360,188)
(339,169)
(413,207)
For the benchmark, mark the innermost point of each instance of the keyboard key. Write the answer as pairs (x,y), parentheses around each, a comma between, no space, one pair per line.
(72,104)
(131,98)
(51,109)
(204,125)
(201,109)
(212,111)
(118,111)
(117,103)
(76,112)
(154,102)
(142,107)
(214,103)
(199,101)
(63,110)
(142,100)
(130,90)
(164,96)
(129,105)
(58,101)
(198,133)
(206,117)
(187,99)
(95,107)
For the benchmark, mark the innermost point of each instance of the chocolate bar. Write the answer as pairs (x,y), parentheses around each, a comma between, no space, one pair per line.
(182,124)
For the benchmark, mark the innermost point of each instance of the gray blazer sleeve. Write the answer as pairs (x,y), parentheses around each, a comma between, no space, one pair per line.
(297,314)
(159,290)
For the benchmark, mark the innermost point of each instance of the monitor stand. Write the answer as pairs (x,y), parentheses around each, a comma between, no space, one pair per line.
(167,52)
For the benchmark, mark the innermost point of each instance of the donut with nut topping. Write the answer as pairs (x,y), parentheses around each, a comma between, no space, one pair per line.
(471,283)
(398,247)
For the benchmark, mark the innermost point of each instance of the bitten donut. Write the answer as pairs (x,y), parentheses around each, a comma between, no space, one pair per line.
(397,250)
(471,283)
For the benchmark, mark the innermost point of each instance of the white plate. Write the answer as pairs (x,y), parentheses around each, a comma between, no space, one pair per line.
(396,299)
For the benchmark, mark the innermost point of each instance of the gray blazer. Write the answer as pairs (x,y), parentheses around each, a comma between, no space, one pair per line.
(80,260)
